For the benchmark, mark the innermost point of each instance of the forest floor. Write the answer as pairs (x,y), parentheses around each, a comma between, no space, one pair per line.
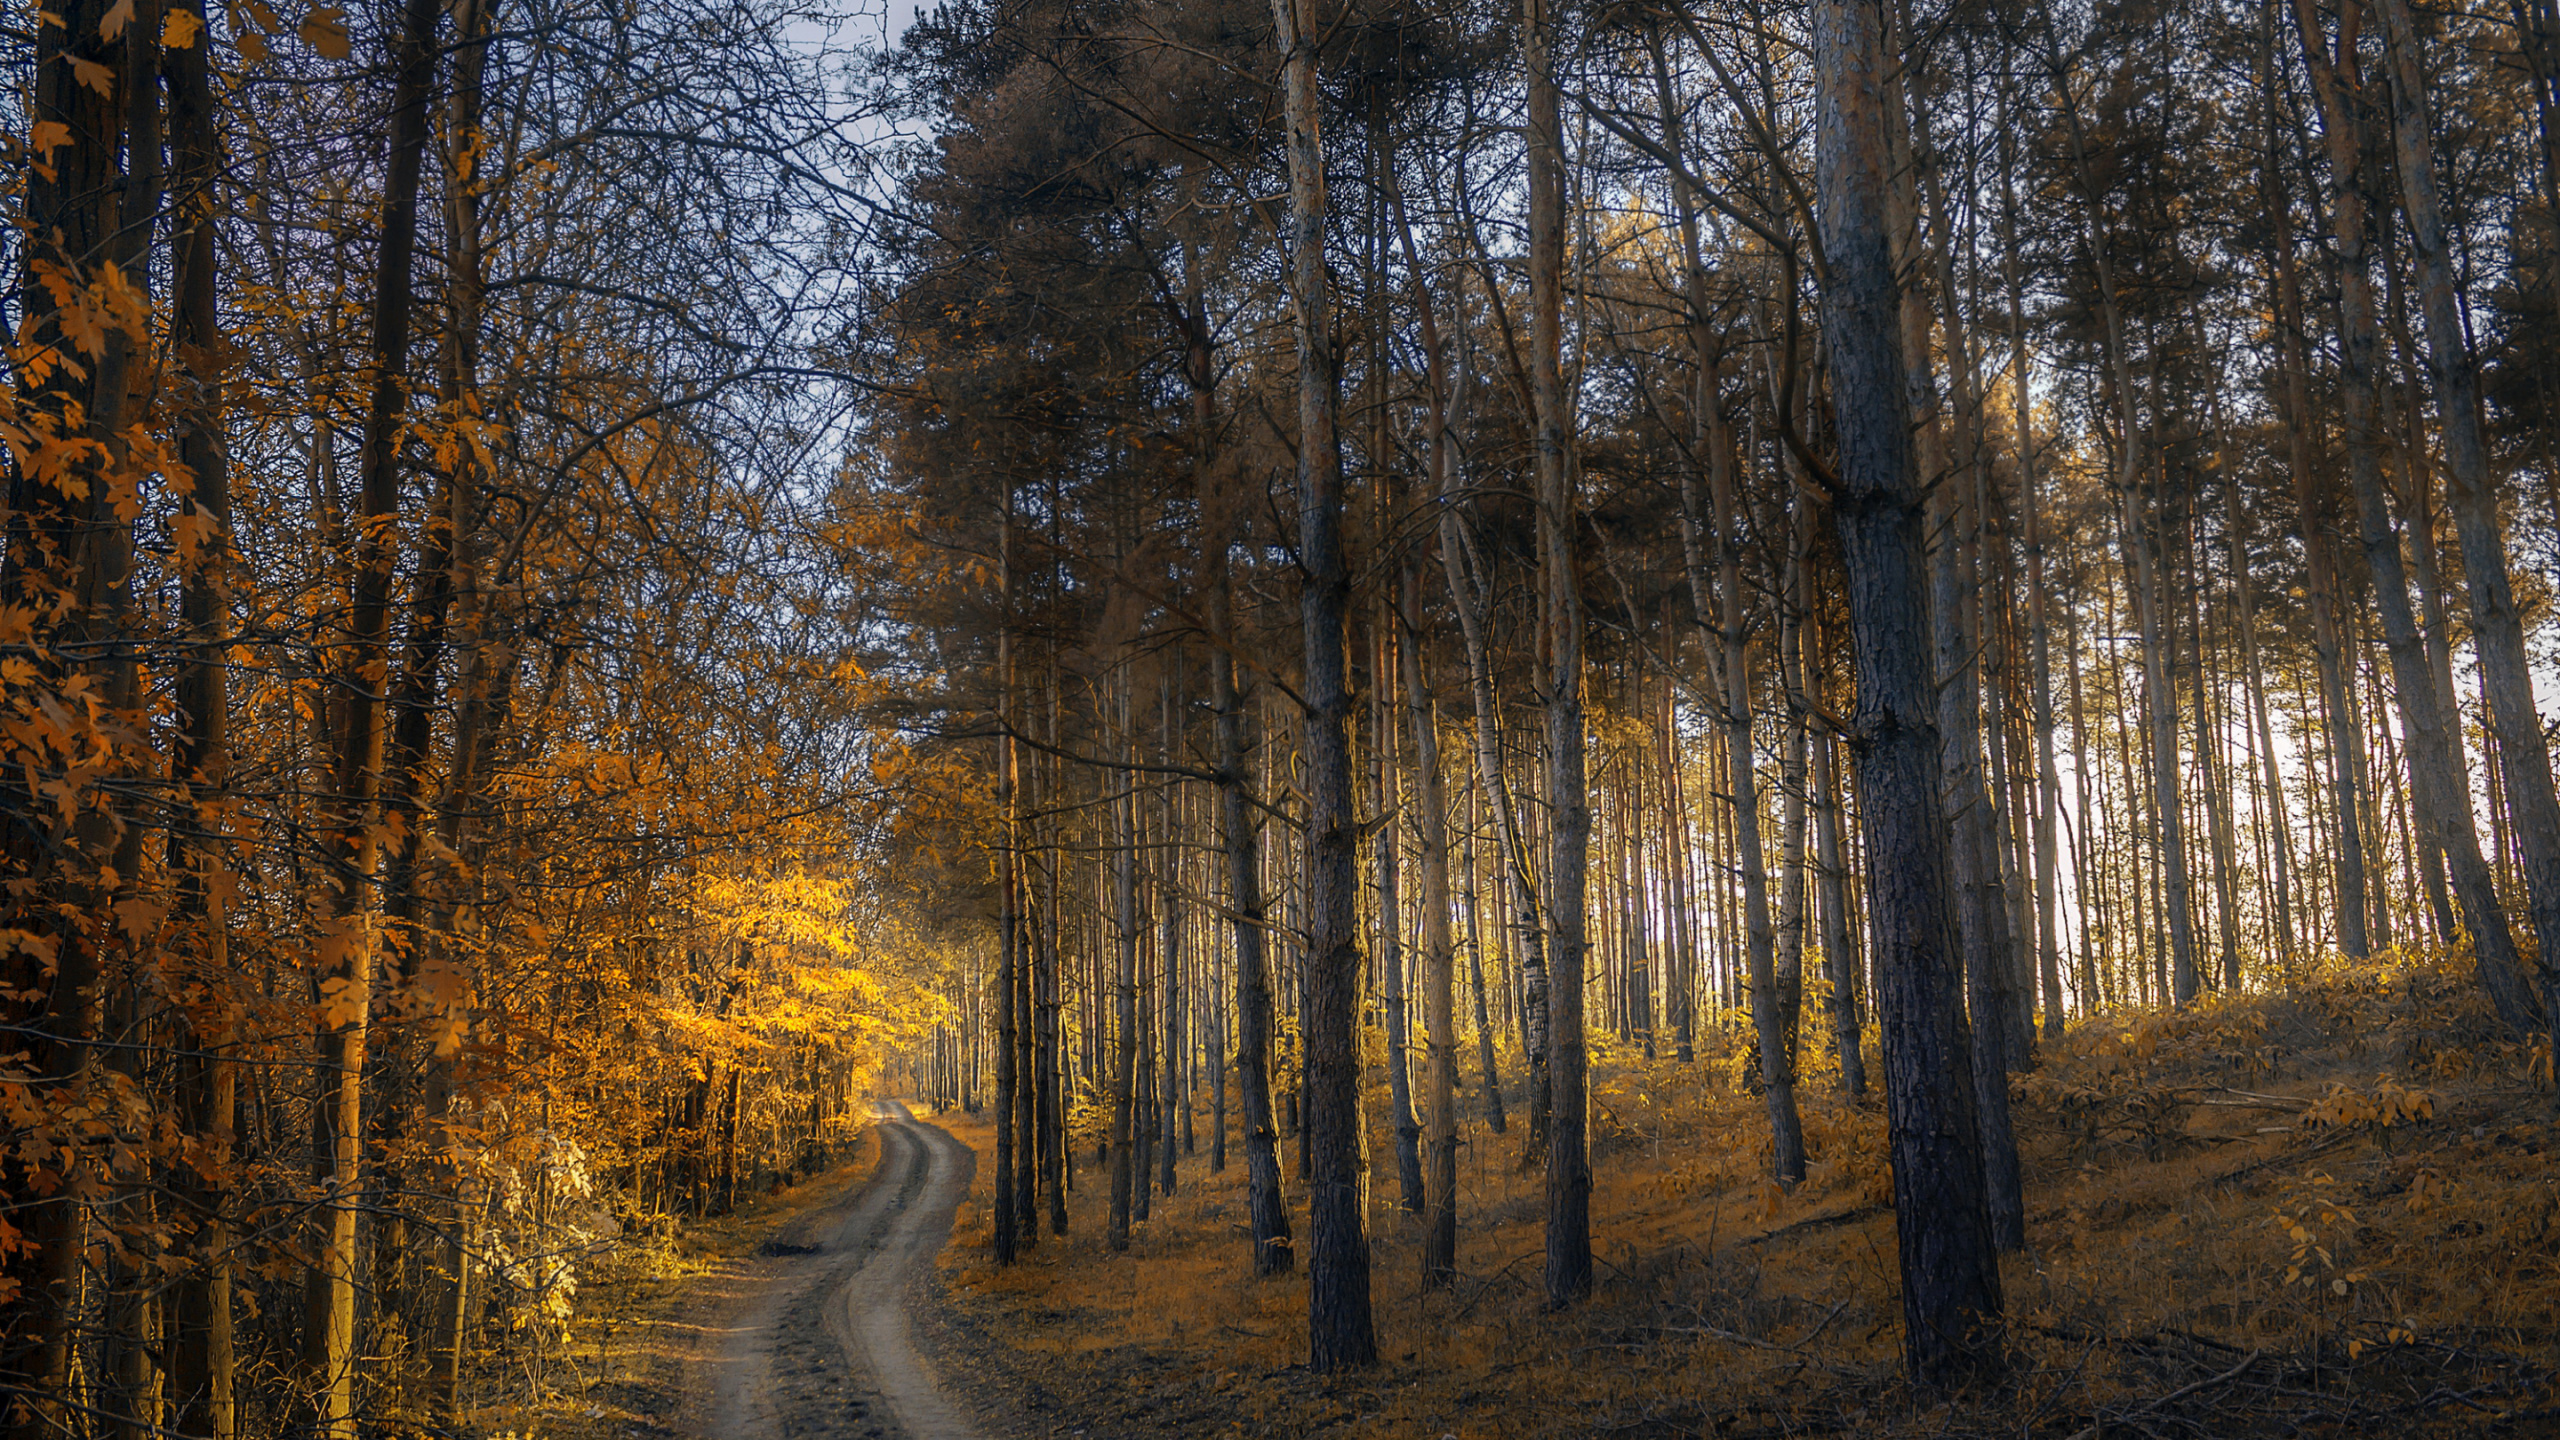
(2328,1211)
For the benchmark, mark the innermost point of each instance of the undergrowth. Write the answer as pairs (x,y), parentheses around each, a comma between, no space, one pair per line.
(2328,1209)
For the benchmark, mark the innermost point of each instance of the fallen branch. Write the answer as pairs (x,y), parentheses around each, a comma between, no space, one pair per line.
(2096,1427)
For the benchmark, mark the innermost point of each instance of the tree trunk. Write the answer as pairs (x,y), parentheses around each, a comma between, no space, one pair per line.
(1169,944)
(1792,767)
(1340,1332)
(202,1372)
(2039,625)
(1974,861)
(1124,1050)
(346,1001)
(1444,395)
(2320,579)
(2497,628)
(1560,619)
(2441,793)
(1712,443)
(1470,594)
(1950,1273)
(1242,844)
(1007,1221)
(1386,804)
(1439,1011)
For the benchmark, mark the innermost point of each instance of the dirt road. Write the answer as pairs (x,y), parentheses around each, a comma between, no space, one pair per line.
(813,1338)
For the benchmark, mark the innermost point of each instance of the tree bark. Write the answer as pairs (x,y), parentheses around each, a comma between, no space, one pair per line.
(203,1364)
(1340,1331)
(1568,1273)
(1950,1273)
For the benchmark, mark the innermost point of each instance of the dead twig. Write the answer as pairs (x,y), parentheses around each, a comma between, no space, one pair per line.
(2095,1427)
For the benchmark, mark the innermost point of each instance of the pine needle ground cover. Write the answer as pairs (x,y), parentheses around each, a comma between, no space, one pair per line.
(2327,1210)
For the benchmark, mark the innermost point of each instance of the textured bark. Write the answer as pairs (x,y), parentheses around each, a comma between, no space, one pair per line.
(2211,728)
(1768,1002)
(1055,1171)
(1340,1331)
(1486,1062)
(1026,1050)
(1269,1215)
(1168,1026)
(1722,618)
(1440,1230)
(467,625)
(1792,765)
(1950,1273)
(1560,622)
(1839,935)
(1683,976)
(58,549)
(2270,780)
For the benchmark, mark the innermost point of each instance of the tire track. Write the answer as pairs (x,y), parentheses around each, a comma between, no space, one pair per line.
(821,1344)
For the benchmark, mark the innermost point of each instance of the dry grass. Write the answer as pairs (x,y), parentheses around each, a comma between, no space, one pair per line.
(2329,1211)
(618,1369)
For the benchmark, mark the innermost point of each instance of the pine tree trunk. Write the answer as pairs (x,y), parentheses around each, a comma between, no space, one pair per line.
(1440,1232)
(203,1364)
(2441,794)
(1237,833)
(1683,978)
(1439,1009)
(2320,580)
(1560,620)
(1387,805)
(1169,965)
(1950,1272)
(1974,862)
(1007,1224)
(1470,594)
(2278,897)
(1340,1332)
(1792,766)
(1124,1050)
(2039,625)
(2497,627)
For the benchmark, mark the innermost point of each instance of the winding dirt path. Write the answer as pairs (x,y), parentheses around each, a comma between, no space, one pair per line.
(815,1338)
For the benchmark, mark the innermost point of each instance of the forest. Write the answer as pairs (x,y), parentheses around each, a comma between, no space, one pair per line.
(1279,717)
